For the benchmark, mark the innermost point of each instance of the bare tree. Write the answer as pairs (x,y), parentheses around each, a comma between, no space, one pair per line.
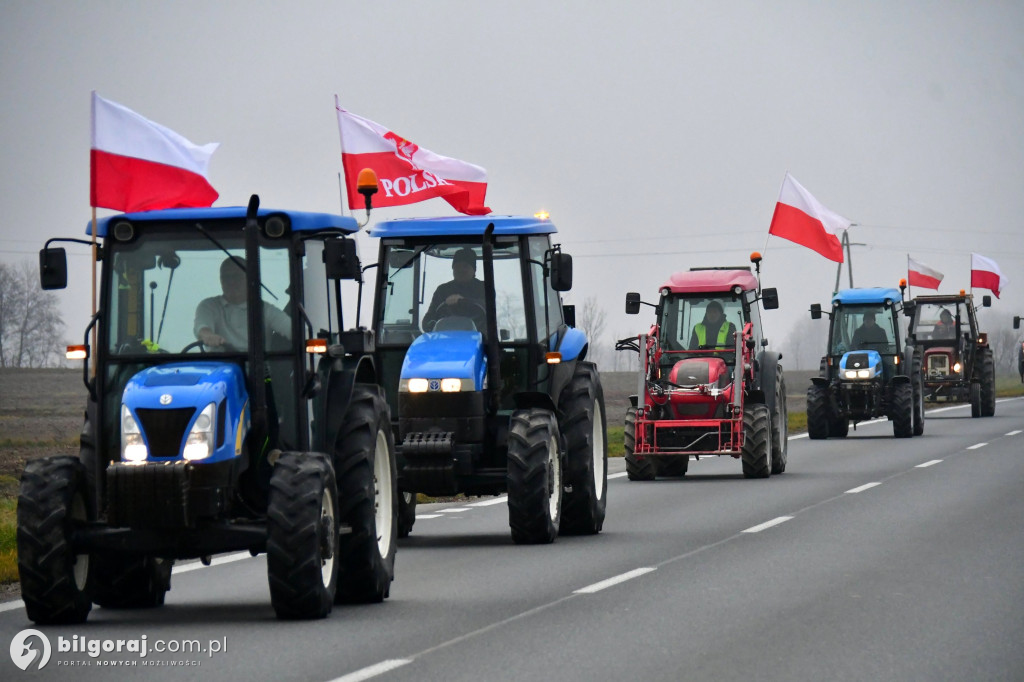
(591,318)
(805,344)
(31,327)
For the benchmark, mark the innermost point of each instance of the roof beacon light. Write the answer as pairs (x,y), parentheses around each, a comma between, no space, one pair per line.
(366,184)
(542,215)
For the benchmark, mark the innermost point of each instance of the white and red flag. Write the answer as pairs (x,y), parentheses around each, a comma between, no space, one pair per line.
(985,274)
(407,173)
(920,275)
(139,165)
(801,218)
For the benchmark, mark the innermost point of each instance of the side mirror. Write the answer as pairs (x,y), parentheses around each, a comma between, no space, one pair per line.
(909,308)
(986,301)
(341,260)
(632,303)
(1016,321)
(561,271)
(815,311)
(569,315)
(53,269)
(770,298)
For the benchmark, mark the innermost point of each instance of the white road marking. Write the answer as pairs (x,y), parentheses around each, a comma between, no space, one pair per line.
(373,670)
(864,487)
(427,516)
(927,464)
(621,474)
(977,445)
(768,524)
(451,510)
(487,503)
(195,566)
(1014,433)
(11,605)
(621,578)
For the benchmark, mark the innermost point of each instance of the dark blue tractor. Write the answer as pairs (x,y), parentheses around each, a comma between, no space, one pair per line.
(271,435)
(869,371)
(486,373)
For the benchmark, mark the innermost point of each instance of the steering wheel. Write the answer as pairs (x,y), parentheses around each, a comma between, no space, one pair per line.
(464,307)
(195,344)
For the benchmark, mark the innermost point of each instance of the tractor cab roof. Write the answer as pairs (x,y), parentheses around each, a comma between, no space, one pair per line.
(709,281)
(300,221)
(944,298)
(869,295)
(458,226)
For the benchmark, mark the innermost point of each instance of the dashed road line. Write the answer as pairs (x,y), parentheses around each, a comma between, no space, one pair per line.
(1014,433)
(976,446)
(767,524)
(373,670)
(927,464)
(862,488)
(487,503)
(615,580)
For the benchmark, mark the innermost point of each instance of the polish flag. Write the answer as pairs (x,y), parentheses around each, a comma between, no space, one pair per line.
(139,165)
(406,172)
(985,274)
(920,275)
(801,218)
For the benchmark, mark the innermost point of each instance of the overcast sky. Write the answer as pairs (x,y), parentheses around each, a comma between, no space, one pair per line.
(657,134)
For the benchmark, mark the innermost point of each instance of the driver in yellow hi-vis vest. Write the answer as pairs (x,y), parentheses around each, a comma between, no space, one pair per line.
(713,330)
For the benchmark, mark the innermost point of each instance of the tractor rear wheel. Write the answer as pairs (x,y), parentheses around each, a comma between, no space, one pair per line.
(975,399)
(364,460)
(130,581)
(988,382)
(818,410)
(902,410)
(56,583)
(406,513)
(637,468)
(757,442)
(917,379)
(534,477)
(780,426)
(302,536)
(586,436)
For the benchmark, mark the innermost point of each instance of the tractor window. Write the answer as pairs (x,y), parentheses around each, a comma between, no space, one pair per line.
(754,313)
(937,321)
(688,324)
(863,327)
(546,302)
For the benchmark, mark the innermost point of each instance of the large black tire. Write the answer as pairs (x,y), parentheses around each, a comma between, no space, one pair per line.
(902,413)
(637,468)
(917,379)
(988,382)
(586,436)
(757,442)
(671,466)
(367,499)
(302,536)
(130,581)
(975,399)
(780,426)
(56,584)
(406,513)
(534,477)
(839,427)
(818,413)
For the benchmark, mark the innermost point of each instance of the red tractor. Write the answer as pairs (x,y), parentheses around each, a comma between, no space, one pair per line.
(708,385)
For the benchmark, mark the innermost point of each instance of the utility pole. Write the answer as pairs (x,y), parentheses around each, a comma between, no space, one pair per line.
(845,244)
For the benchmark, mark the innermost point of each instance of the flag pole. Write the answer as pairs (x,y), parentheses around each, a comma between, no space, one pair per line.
(92,355)
(909,286)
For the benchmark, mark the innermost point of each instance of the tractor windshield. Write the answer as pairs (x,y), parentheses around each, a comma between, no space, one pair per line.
(439,287)
(939,321)
(169,291)
(863,327)
(704,322)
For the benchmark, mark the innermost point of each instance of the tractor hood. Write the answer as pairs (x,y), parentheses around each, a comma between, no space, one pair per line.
(860,365)
(446,355)
(166,402)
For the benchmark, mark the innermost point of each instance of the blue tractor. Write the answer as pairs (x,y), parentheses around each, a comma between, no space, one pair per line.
(486,373)
(228,410)
(870,370)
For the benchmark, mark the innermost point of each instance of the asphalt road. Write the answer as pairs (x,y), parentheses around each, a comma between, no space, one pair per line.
(870,559)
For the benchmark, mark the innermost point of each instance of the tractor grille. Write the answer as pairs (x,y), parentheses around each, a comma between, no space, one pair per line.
(164,429)
(938,365)
(857,361)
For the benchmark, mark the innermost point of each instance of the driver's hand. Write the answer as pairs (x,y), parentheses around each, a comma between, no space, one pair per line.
(453,299)
(211,339)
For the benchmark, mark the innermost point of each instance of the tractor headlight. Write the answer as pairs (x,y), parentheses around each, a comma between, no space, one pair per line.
(857,373)
(199,444)
(956,367)
(414,385)
(449,385)
(133,448)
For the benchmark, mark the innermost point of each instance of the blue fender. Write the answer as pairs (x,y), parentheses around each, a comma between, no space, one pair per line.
(571,344)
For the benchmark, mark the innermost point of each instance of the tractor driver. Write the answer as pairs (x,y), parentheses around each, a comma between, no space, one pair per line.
(945,328)
(223,321)
(714,330)
(869,332)
(462,296)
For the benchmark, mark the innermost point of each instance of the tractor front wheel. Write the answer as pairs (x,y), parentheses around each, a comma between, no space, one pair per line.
(780,426)
(988,383)
(975,399)
(534,477)
(917,378)
(406,513)
(818,413)
(56,583)
(902,410)
(130,581)
(302,536)
(757,442)
(637,468)
(586,437)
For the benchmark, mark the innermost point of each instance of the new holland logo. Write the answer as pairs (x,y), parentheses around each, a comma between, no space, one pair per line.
(435,385)
(165,399)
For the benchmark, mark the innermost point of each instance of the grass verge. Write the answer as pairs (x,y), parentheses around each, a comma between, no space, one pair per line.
(8,550)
